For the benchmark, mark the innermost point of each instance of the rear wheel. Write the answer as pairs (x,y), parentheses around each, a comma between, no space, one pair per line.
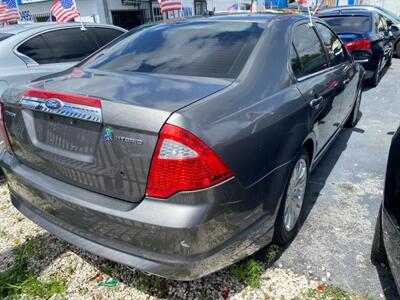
(287,221)
(397,50)
(353,118)
(389,62)
(373,82)
(378,253)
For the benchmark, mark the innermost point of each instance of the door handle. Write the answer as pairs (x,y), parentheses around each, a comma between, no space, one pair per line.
(314,103)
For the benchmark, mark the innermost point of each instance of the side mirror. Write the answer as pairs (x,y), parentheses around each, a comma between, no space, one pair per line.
(389,23)
(394,28)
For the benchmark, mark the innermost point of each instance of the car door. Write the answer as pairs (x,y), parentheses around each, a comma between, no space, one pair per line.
(56,50)
(319,83)
(341,61)
(385,38)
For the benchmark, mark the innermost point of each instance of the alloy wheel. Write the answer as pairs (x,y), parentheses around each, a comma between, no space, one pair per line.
(295,194)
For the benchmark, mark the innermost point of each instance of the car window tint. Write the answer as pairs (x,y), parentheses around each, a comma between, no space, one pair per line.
(333,45)
(37,49)
(346,24)
(4,36)
(205,49)
(309,48)
(105,35)
(295,62)
(69,45)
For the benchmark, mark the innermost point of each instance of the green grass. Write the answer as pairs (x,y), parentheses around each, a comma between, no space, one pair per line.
(272,254)
(3,233)
(248,272)
(326,292)
(19,280)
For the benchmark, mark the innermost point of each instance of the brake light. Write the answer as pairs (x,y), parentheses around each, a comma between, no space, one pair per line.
(182,162)
(3,130)
(358,45)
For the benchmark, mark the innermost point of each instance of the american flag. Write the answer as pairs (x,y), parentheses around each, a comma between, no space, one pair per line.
(233,8)
(64,10)
(9,11)
(170,5)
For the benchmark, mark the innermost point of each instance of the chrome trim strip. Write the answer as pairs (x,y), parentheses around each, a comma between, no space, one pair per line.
(76,111)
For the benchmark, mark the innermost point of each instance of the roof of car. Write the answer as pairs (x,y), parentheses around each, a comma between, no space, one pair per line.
(351,7)
(345,12)
(18,28)
(260,17)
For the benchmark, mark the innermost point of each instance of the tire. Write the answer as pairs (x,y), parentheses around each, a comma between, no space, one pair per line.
(353,118)
(378,252)
(397,50)
(374,81)
(286,227)
(389,62)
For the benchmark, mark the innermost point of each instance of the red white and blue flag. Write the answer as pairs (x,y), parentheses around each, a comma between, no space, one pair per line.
(170,5)
(233,8)
(9,11)
(64,10)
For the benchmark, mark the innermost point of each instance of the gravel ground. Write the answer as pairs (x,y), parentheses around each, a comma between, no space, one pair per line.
(82,272)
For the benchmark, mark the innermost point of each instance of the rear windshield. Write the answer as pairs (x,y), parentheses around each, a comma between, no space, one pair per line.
(3,36)
(205,49)
(349,24)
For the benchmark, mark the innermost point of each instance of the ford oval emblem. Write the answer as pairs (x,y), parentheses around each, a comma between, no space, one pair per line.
(54,104)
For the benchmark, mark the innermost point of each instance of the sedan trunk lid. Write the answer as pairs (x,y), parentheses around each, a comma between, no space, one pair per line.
(98,130)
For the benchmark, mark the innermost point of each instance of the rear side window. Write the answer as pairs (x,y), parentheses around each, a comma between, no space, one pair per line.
(349,24)
(205,49)
(309,49)
(37,49)
(66,45)
(332,44)
(69,45)
(105,35)
(381,24)
(4,36)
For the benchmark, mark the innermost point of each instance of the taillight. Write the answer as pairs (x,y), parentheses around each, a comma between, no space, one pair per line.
(3,129)
(358,45)
(182,162)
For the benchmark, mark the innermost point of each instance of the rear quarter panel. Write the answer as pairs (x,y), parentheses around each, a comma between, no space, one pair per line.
(258,124)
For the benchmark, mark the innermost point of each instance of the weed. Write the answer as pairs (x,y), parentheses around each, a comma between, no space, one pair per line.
(3,233)
(19,280)
(203,295)
(19,218)
(70,270)
(108,269)
(272,254)
(328,292)
(248,272)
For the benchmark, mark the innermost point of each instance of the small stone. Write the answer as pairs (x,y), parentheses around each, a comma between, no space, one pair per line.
(323,268)
(280,265)
(323,279)
(328,275)
(308,267)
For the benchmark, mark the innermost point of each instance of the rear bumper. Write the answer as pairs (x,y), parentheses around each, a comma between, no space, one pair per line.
(182,238)
(391,238)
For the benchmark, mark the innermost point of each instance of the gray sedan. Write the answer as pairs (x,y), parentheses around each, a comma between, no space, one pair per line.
(33,50)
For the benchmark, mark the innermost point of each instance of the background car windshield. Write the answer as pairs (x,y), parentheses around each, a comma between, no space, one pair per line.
(206,49)
(349,24)
(3,36)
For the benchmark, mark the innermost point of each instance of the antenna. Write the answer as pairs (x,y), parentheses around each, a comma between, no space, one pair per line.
(311,24)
